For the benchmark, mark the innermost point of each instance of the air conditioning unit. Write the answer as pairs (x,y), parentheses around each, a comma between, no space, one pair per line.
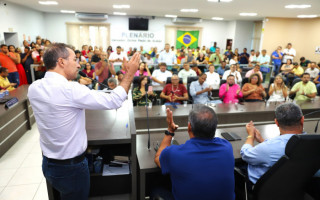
(186,20)
(92,16)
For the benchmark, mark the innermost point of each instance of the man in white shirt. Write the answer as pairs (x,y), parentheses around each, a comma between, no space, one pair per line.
(167,56)
(159,76)
(59,108)
(186,72)
(148,60)
(213,78)
(313,70)
(234,72)
(288,53)
(118,57)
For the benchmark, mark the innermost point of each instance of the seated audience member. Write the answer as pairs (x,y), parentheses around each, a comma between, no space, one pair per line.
(148,60)
(96,56)
(216,58)
(230,92)
(104,69)
(213,78)
(233,72)
(8,60)
(255,70)
(244,57)
(305,89)
(174,93)
(200,90)
(186,72)
(278,91)
(140,92)
(228,53)
(26,61)
(253,91)
(234,60)
(287,67)
(260,158)
(304,62)
(181,58)
(201,59)
(296,72)
(190,59)
(81,60)
(238,67)
(88,70)
(312,70)
(85,51)
(119,76)
(112,83)
(196,69)
(143,70)
(4,82)
(222,68)
(202,168)
(159,76)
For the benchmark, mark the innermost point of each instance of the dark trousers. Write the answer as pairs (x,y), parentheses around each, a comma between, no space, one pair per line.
(13,77)
(72,181)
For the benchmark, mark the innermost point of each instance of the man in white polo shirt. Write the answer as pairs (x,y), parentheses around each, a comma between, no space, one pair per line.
(159,76)
(167,56)
(288,53)
(117,57)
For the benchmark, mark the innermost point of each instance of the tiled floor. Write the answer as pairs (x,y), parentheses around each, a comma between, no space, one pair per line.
(21,175)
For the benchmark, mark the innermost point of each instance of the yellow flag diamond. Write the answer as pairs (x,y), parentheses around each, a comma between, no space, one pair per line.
(186,39)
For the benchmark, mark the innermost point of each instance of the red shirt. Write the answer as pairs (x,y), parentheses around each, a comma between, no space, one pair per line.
(84,53)
(90,74)
(105,73)
(178,91)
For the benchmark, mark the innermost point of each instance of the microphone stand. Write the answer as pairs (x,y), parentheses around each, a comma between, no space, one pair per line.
(85,75)
(316,127)
(146,96)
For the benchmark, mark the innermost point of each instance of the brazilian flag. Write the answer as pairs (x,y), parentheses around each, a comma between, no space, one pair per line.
(187,39)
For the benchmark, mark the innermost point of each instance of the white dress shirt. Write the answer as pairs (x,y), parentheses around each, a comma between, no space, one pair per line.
(236,74)
(59,109)
(213,80)
(161,76)
(167,57)
(286,57)
(114,55)
(313,72)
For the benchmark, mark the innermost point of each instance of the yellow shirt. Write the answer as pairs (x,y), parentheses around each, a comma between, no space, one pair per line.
(4,82)
(298,71)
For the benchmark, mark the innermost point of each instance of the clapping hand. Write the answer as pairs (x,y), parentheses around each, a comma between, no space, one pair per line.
(132,66)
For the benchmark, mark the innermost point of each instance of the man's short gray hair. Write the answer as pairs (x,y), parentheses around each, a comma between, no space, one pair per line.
(112,80)
(203,121)
(288,115)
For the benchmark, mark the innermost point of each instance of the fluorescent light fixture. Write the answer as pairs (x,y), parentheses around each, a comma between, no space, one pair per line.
(248,14)
(224,1)
(48,2)
(298,6)
(173,16)
(189,10)
(119,13)
(68,11)
(307,16)
(121,6)
(217,18)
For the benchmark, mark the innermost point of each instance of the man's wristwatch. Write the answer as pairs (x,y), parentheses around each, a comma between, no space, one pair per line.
(168,133)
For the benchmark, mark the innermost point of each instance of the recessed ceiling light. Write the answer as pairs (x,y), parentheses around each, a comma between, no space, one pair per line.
(225,1)
(298,6)
(121,6)
(307,16)
(48,2)
(68,11)
(119,13)
(248,14)
(173,16)
(189,10)
(217,18)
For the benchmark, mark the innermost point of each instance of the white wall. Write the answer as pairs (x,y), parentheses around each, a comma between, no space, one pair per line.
(21,20)
(243,35)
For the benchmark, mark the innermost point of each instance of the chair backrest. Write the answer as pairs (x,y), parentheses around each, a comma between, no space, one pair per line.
(136,81)
(244,81)
(189,81)
(288,178)
(222,81)
(169,80)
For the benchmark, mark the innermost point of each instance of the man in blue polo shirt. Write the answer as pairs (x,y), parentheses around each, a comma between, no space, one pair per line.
(202,168)
(276,59)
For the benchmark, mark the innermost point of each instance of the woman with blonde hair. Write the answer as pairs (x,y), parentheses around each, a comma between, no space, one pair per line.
(278,91)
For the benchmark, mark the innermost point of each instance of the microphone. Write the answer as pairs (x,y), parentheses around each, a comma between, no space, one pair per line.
(316,127)
(146,96)
(81,73)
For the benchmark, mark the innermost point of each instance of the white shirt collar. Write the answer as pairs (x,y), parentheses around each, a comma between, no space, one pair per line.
(55,75)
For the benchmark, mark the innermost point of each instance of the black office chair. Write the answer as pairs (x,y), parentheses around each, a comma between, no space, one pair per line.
(189,81)
(169,80)
(222,81)
(289,177)
(297,80)
(244,81)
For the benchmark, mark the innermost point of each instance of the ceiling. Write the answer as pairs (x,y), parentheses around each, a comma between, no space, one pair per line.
(159,8)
